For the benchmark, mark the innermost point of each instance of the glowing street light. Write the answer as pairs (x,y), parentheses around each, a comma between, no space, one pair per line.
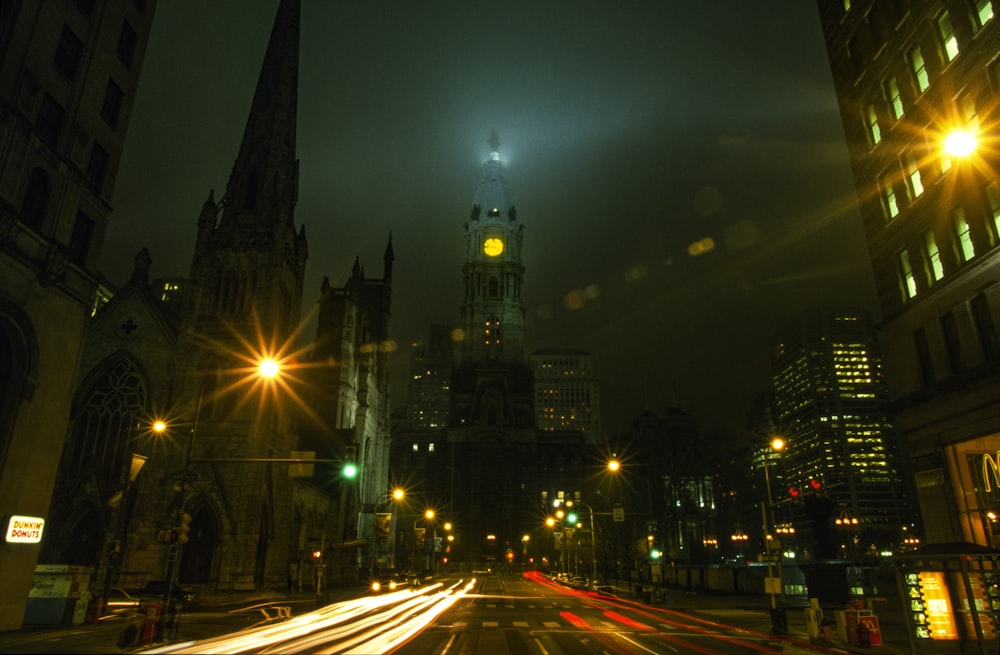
(960,143)
(268,368)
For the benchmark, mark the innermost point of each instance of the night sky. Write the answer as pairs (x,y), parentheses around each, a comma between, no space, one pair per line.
(634,135)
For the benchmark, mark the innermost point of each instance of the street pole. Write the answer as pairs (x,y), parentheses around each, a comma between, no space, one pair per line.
(778,621)
(116,546)
(173,552)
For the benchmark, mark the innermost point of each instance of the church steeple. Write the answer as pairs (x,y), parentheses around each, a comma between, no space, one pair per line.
(493,309)
(263,185)
(249,262)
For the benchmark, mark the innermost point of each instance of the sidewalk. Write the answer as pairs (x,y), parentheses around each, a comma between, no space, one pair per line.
(752,612)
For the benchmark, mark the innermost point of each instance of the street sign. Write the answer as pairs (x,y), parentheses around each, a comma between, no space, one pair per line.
(618,514)
(184,476)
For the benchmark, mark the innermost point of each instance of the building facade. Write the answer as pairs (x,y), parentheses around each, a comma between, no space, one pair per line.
(913,80)
(429,386)
(226,498)
(68,77)
(486,468)
(830,396)
(566,392)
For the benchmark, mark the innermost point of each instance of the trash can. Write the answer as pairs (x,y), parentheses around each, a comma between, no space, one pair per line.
(151,625)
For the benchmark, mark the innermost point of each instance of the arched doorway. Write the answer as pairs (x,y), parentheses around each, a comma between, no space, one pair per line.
(77,539)
(199,551)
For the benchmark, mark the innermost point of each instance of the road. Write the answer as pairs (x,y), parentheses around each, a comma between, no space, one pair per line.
(533,616)
(497,615)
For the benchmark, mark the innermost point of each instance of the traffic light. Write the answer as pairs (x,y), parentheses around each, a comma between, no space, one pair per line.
(183,527)
(571,518)
(350,467)
(654,554)
(817,487)
(317,554)
(794,492)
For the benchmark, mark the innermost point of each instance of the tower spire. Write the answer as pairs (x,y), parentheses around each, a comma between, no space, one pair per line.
(263,185)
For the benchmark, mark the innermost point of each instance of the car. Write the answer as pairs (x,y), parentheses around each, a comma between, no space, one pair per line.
(158,588)
(120,601)
(392,582)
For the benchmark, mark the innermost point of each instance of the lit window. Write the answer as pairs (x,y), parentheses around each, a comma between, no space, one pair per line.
(967,109)
(993,204)
(914,185)
(893,98)
(871,120)
(919,69)
(416,448)
(890,206)
(933,255)
(947,33)
(984,11)
(430,447)
(965,247)
(906,273)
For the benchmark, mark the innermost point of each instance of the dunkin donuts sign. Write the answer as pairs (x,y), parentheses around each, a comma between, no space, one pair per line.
(24,530)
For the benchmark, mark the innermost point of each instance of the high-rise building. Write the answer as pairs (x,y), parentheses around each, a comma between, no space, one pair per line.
(429,387)
(566,392)
(830,395)
(68,77)
(918,85)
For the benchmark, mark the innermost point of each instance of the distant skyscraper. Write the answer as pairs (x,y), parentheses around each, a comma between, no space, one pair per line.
(830,397)
(566,392)
(916,81)
(429,387)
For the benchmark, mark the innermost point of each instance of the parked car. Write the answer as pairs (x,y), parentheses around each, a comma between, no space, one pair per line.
(157,588)
(120,601)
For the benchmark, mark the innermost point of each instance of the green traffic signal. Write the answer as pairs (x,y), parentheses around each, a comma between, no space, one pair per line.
(654,554)
(350,471)
(571,518)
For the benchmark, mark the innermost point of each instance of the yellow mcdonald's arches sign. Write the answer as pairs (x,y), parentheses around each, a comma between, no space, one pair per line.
(991,471)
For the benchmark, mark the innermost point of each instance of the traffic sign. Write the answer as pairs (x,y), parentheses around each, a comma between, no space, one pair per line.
(618,514)
(184,476)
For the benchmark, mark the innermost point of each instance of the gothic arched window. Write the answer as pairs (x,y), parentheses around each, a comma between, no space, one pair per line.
(106,423)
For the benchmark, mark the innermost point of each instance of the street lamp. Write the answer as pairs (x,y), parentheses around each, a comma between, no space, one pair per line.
(428,517)
(739,538)
(773,582)
(593,537)
(120,502)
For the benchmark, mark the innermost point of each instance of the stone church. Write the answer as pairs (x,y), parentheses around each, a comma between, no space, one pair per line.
(226,498)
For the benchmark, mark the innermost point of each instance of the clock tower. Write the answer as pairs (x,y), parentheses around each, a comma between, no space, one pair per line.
(493,309)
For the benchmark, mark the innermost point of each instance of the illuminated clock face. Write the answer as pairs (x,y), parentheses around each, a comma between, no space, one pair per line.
(493,246)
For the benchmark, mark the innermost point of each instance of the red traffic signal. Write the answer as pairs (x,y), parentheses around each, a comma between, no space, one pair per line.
(815,484)
(794,492)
